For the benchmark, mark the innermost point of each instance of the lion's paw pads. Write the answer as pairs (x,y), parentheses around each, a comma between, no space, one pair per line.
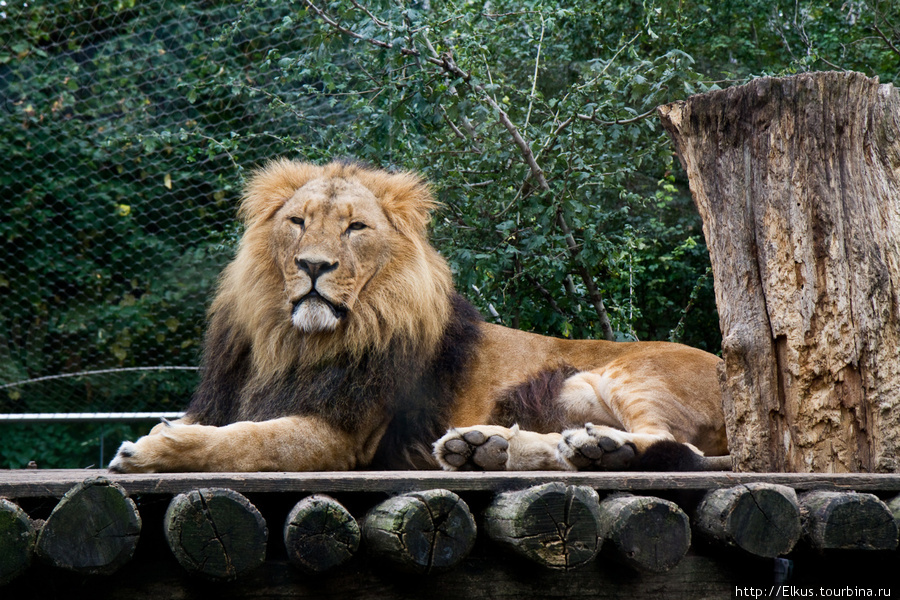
(472,450)
(601,448)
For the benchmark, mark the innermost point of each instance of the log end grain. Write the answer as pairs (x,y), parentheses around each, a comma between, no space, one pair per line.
(760,518)
(648,534)
(17,536)
(215,533)
(553,524)
(93,530)
(320,534)
(847,521)
(421,532)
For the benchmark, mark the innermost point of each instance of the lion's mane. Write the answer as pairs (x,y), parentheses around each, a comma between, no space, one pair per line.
(400,354)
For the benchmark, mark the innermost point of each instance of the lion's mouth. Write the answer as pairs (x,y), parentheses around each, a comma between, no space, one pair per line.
(314,312)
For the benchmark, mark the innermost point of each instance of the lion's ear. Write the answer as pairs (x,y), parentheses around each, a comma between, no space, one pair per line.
(271,186)
(407,201)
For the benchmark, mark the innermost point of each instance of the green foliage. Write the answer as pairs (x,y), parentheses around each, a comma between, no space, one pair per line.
(128,128)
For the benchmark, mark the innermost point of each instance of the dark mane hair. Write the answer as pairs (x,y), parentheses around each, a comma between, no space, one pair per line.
(414,392)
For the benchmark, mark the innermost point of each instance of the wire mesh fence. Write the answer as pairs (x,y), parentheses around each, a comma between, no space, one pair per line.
(125,127)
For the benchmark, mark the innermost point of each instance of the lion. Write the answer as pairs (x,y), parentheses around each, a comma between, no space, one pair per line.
(336,341)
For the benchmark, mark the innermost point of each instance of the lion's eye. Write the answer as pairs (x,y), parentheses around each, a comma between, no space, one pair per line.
(298,221)
(356,226)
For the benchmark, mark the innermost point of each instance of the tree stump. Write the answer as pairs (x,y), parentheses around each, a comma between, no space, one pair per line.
(797,184)
(648,534)
(555,525)
(421,532)
(760,518)
(17,537)
(847,521)
(93,530)
(215,533)
(320,534)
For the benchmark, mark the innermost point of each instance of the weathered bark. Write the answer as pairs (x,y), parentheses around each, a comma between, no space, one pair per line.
(17,536)
(216,533)
(797,181)
(93,530)
(320,534)
(421,532)
(555,525)
(648,534)
(760,518)
(847,521)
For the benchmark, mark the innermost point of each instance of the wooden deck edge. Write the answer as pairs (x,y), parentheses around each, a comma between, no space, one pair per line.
(27,483)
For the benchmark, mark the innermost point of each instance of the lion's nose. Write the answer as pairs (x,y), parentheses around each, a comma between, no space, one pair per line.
(314,268)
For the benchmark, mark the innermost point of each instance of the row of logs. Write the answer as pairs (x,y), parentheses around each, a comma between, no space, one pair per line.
(219,534)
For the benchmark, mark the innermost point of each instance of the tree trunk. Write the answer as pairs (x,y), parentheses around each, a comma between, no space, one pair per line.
(797,181)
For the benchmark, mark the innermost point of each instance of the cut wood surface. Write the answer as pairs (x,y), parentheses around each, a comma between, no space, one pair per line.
(797,183)
(17,535)
(760,518)
(646,533)
(554,525)
(53,483)
(421,532)
(215,533)
(320,534)
(93,530)
(847,521)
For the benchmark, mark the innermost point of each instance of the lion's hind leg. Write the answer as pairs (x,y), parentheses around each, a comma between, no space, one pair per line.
(626,414)
(496,448)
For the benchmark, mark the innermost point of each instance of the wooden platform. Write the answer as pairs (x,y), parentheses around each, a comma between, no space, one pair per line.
(489,570)
(26,483)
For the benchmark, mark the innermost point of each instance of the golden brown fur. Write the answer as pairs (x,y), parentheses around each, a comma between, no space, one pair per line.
(336,341)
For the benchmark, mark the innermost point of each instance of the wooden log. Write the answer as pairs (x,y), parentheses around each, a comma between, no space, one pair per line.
(555,525)
(420,532)
(93,530)
(894,506)
(797,184)
(215,533)
(646,533)
(847,521)
(17,535)
(760,518)
(320,534)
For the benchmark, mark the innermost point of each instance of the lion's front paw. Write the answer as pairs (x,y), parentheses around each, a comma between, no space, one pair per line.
(165,448)
(480,448)
(602,448)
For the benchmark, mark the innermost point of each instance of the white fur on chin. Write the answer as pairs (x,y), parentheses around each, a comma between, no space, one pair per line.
(314,316)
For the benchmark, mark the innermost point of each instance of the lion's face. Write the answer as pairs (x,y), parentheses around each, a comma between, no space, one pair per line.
(330,239)
(334,260)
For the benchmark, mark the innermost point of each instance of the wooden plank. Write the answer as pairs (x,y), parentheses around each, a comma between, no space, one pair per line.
(37,483)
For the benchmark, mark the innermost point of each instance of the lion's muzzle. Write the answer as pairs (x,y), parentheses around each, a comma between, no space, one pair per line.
(314,313)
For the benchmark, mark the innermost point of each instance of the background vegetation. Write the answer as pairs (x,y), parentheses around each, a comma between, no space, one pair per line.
(128,128)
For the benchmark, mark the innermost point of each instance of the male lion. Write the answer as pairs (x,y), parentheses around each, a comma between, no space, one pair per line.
(336,341)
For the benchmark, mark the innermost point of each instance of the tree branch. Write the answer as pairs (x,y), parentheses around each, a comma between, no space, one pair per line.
(886,39)
(446,62)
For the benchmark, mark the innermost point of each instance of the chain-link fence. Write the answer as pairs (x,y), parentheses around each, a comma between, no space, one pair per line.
(125,126)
